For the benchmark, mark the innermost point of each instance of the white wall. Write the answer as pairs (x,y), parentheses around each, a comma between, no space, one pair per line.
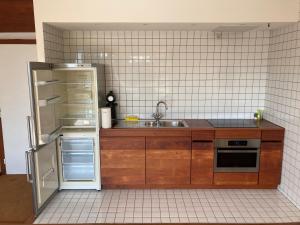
(14,103)
(161,11)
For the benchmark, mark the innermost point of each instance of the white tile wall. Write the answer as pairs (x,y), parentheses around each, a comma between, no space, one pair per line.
(53,40)
(282,103)
(197,73)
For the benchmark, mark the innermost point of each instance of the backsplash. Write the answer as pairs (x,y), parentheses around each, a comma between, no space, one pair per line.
(199,74)
(53,44)
(282,105)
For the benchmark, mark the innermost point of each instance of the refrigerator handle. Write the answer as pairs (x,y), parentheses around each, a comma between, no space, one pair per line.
(28,166)
(31,137)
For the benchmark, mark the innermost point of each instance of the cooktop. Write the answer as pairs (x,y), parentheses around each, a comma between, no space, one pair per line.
(234,123)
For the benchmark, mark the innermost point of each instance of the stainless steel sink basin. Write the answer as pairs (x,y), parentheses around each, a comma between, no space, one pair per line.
(166,123)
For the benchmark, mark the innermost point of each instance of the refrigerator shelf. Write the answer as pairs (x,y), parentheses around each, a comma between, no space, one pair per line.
(77,104)
(76,126)
(78,116)
(77,83)
(49,101)
(46,82)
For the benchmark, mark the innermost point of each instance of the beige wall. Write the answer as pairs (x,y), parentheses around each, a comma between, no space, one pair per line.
(162,11)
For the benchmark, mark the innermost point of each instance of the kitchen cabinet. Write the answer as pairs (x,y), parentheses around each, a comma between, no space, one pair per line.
(185,158)
(271,157)
(270,163)
(168,160)
(202,168)
(122,161)
(202,164)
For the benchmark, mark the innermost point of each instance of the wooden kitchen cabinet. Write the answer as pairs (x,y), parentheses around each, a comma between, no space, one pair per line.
(168,160)
(270,163)
(202,168)
(122,161)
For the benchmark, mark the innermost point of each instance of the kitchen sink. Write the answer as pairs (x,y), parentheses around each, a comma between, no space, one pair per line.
(166,123)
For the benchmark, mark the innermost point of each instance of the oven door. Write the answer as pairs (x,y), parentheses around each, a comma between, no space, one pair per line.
(237,160)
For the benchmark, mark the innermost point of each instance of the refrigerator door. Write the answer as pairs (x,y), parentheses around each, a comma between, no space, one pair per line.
(43,131)
(42,172)
(45,97)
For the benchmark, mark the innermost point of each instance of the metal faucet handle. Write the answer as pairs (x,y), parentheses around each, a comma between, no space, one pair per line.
(157,115)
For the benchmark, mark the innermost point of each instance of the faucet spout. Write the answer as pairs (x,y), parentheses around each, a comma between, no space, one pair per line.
(157,115)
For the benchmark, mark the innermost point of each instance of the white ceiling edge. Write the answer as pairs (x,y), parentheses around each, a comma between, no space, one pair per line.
(16,35)
(236,27)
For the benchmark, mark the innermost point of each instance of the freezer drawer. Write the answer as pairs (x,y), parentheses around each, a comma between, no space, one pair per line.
(78,172)
(78,157)
(83,144)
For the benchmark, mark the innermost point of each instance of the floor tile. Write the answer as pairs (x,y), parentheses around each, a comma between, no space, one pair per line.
(169,206)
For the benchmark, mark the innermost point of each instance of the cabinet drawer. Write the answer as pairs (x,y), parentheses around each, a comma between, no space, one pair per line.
(78,144)
(251,133)
(171,143)
(201,145)
(122,143)
(271,145)
(78,172)
(203,135)
(272,135)
(235,178)
(77,157)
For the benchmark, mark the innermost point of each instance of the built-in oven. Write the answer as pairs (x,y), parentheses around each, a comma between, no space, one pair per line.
(237,155)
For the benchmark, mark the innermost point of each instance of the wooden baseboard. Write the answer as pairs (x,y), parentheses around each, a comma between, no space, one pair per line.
(187,186)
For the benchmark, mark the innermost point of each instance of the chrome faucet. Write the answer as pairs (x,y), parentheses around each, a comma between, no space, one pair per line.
(157,115)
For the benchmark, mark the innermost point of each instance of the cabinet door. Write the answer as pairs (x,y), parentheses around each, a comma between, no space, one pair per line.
(270,163)
(202,163)
(123,160)
(168,160)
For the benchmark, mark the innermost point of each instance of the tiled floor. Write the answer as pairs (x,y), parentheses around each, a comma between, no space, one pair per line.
(170,206)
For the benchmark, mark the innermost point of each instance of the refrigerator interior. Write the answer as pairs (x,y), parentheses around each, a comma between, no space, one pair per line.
(70,96)
(67,106)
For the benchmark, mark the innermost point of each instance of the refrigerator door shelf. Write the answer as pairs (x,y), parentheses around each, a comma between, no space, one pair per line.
(49,101)
(46,82)
(47,138)
(78,122)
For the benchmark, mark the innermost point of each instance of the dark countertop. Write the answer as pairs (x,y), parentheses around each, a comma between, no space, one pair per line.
(193,124)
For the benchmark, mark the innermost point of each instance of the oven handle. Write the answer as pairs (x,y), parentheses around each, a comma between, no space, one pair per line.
(237,151)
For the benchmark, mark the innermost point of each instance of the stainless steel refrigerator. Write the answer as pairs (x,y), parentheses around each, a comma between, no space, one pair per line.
(64,128)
